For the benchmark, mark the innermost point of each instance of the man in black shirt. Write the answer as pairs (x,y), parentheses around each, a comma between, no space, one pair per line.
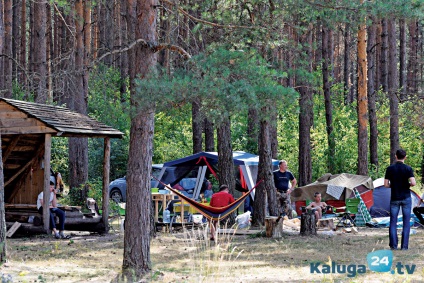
(282,178)
(399,177)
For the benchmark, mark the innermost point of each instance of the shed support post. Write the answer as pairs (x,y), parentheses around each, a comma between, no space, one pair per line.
(46,187)
(106,171)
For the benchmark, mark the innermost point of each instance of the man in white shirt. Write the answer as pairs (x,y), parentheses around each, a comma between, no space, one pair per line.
(53,211)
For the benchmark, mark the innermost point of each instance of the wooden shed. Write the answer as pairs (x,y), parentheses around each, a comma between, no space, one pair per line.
(26,129)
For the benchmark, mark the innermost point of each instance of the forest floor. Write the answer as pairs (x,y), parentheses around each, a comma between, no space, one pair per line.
(187,257)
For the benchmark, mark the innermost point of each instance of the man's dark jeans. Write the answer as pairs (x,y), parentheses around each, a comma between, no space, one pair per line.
(59,213)
(395,206)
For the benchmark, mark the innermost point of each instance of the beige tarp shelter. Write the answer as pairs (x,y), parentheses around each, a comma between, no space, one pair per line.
(342,184)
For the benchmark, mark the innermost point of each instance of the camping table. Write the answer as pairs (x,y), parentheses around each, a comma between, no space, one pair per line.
(181,205)
(158,197)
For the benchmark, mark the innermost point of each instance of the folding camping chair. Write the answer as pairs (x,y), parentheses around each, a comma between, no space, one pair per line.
(344,219)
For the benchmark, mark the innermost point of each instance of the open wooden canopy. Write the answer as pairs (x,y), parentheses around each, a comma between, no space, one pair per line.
(25,130)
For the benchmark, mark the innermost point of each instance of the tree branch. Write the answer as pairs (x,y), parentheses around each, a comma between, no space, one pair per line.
(153,46)
(204,21)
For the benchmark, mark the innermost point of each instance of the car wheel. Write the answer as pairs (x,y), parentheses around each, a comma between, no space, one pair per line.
(116,195)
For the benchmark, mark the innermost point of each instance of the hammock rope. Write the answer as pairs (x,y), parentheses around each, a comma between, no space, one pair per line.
(211,213)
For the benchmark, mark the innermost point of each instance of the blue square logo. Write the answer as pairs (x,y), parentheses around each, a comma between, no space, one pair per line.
(380,261)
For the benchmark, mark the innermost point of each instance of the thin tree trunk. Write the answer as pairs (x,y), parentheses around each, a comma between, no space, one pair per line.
(362,102)
(7,50)
(346,71)
(1,50)
(371,57)
(40,57)
(384,56)
(16,36)
(196,124)
(326,61)
(22,48)
(402,59)
(412,76)
(393,87)
(2,210)
(306,117)
(209,135)
(273,133)
(252,130)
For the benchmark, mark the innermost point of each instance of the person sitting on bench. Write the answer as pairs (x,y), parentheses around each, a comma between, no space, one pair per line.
(317,206)
(53,211)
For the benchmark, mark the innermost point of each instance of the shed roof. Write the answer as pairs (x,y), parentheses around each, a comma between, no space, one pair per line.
(56,120)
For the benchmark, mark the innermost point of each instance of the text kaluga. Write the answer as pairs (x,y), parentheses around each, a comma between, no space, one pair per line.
(351,269)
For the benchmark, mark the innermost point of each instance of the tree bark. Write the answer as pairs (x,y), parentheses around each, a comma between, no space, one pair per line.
(346,70)
(141,23)
(372,111)
(384,55)
(23,42)
(252,130)
(40,57)
(402,59)
(393,87)
(7,50)
(1,49)
(2,210)
(362,102)
(196,124)
(306,117)
(412,77)
(326,63)
(209,135)
(78,147)
(225,155)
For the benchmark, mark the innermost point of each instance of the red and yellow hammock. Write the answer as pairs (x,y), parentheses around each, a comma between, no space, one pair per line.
(212,213)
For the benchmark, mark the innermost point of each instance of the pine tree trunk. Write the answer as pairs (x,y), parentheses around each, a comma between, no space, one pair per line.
(362,102)
(305,120)
(346,64)
(40,63)
(141,23)
(225,155)
(326,61)
(402,59)
(393,87)
(2,211)
(7,49)
(1,48)
(384,56)
(22,47)
(196,124)
(265,165)
(209,135)
(372,112)
(78,147)
(412,76)
(252,130)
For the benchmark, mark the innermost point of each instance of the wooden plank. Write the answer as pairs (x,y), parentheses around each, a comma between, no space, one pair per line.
(20,122)
(13,229)
(27,130)
(40,150)
(9,115)
(10,148)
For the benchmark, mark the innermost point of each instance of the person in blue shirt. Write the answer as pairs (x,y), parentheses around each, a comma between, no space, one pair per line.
(399,178)
(284,182)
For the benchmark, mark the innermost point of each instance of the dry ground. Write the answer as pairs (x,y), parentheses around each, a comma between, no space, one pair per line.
(187,257)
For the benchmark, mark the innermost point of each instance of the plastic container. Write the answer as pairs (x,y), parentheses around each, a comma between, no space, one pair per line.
(197,218)
(166,216)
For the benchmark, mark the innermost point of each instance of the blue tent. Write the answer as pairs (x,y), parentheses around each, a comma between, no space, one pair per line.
(203,165)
